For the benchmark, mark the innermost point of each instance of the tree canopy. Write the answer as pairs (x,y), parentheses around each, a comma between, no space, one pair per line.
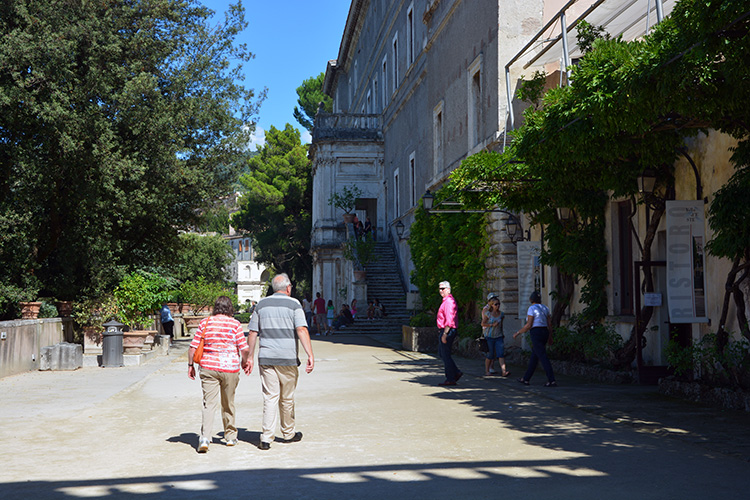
(118,122)
(276,204)
(310,96)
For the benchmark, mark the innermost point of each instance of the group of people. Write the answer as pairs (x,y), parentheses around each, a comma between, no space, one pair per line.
(360,230)
(324,316)
(278,325)
(537,323)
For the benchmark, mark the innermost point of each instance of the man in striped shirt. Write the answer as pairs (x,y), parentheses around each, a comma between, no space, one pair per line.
(279,321)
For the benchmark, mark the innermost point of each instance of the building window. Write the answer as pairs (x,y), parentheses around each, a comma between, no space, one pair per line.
(474,101)
(412,180)
(396,207)
(395,62)
(624,250)
(410,35)
(437,139)
(385,81)
(374,93)
(369,101)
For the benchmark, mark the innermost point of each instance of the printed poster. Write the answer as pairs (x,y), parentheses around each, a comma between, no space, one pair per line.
(529,273)
(686,260)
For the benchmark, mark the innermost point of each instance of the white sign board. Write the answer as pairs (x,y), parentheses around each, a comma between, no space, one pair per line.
(686,282)
(529,273)
(652,299)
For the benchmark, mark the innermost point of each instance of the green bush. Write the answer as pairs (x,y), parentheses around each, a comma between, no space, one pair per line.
(727,367)
(138,295)
(582,342)
(47,310)
(202,294)
(422,319)
(242,317)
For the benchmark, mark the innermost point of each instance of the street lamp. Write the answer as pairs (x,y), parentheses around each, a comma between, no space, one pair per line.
(647,181)
(512,226)
(427,200)
(564,213)
(399,229)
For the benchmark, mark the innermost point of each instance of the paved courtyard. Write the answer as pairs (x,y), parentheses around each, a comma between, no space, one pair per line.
(375,426)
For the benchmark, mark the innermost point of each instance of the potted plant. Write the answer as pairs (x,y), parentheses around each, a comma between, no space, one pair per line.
(89,315)
(138,296)
(360,251)
(345,200)
(201,294)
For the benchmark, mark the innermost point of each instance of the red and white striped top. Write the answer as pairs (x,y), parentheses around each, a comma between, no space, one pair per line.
(223,338)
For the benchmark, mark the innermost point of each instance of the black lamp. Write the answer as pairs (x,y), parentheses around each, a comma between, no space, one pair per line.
(399,229)
(511,227)
(427,200)
(647,181)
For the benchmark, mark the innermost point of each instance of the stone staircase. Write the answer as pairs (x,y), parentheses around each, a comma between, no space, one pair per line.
(383,283)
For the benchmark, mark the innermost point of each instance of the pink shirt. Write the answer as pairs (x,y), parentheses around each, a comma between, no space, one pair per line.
(447,313)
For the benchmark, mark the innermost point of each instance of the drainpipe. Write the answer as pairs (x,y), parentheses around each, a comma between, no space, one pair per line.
(659,11)
(566,59)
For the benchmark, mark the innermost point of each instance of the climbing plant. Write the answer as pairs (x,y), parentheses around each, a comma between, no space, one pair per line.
(449,247)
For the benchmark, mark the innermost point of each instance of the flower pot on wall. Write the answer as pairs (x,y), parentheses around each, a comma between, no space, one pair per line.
(360,275)
(148,344)
(349,218)
(64,308)
(133,341)
(30,310)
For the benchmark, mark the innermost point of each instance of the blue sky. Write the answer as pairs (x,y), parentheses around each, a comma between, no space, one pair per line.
(292,40)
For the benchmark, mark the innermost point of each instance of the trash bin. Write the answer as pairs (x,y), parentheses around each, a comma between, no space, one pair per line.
(112,344)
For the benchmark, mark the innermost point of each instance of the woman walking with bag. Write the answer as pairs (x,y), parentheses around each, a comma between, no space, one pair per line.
(538,321)
(492,321)
(224,350)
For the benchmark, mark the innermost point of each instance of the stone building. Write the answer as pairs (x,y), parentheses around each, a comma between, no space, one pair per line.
(420,85)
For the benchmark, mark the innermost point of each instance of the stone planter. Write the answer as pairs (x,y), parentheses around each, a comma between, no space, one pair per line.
(174,307)
(64,308)
(148,344)
(30,310)
(349,218)
(360,275)
(191,323)
(133,341)
(92,340)
(420,338)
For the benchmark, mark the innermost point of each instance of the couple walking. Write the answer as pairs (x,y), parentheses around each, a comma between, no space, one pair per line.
(280,322)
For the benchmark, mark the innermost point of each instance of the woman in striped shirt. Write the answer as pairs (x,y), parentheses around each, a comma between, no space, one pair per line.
(225,349)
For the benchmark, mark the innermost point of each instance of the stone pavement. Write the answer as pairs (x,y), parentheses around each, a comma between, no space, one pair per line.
(375,425)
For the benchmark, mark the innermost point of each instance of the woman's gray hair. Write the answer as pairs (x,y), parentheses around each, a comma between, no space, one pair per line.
(280,282)
(445,284)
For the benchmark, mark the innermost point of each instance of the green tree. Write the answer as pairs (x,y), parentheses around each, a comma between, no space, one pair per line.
(276,204)
(201,256)
(310,96)
(120,120)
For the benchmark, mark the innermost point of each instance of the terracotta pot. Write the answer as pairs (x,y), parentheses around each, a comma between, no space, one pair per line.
(133,341)
(191,324)
(185,308)
(64,308)
(360,275)
(349,218)
(174,307)
(30,310)
(148,344)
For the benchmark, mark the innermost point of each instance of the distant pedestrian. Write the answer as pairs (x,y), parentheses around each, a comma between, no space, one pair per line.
(447,322)
(280,322)
(167,322)
(307,307)
(330,314)
(538,322)
(486,309)
(353,309)
(492,321)
(224,351)
(320,313)
(368,226)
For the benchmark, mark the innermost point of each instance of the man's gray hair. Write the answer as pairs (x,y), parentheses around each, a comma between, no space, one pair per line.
(445,284)
(280,282)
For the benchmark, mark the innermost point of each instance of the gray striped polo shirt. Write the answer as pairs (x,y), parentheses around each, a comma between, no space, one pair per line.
(275,319)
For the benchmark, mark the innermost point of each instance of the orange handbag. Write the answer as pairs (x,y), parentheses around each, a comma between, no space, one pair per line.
(198,352)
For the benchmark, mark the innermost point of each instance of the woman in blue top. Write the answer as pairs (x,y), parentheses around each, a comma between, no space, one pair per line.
(492,321)
(538,322)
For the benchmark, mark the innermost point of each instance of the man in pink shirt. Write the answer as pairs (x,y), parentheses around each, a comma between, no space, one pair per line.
(447,321)
(319,305)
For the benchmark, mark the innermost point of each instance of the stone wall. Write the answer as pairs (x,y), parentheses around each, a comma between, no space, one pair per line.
(20,350)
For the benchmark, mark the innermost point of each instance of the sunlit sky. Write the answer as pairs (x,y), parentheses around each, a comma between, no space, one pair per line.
(292,40)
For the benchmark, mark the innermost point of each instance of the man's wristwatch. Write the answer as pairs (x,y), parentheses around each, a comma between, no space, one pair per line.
(190,364)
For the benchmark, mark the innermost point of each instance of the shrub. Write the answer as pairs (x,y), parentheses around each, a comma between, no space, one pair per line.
(727,367)
(47,310)
(583,342)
